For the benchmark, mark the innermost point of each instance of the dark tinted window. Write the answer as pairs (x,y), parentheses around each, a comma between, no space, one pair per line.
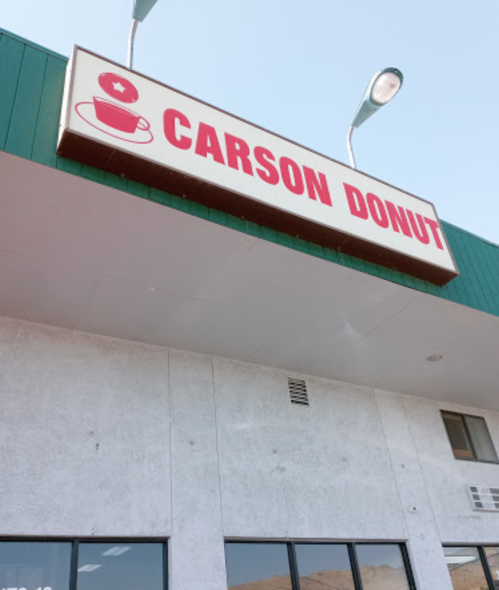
(480,438)
(458,436)
(382,566)
(35,566)
(469,437)
(258,566)
(120,566)
(465,568)
(324,566)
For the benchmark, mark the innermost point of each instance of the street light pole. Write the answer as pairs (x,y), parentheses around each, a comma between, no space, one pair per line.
(131,41)
(349,147)
(383,86)
(141,9)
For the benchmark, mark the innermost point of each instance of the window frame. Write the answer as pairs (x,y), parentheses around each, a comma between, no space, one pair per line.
(75,543)
(352,555)
(483,559)
(470,438)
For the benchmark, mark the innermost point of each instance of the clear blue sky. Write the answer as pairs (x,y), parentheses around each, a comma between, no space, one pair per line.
(299,68)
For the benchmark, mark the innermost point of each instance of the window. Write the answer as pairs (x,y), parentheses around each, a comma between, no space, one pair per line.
(262,563)
(469,437)
(492,560)
(34,566)
(382,566)
(308,566)
(473,568)
(82,565)
(327,566)
(465,568)
(126,566)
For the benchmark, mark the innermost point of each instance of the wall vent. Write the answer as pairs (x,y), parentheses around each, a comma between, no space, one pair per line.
(484,498)
(298,391)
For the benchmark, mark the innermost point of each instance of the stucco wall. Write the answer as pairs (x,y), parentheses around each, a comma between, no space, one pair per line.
(111,438)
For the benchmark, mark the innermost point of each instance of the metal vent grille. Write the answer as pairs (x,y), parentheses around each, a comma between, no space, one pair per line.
(298,391)
(484,498)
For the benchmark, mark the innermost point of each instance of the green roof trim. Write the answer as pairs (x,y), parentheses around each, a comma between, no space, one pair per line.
(34,45)
(31,88)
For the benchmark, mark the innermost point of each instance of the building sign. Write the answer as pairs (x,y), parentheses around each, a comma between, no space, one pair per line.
(125,123)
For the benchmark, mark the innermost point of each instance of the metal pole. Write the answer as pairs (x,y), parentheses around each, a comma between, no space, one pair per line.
(350,149)
(131,40)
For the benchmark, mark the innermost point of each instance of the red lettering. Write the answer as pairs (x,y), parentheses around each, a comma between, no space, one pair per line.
(398,219)
(207,143)
(294,181)
(317,187)
(269,174)
(420,232)
(170,118)
(434,230)
(356,201)
(238,151)
(377,210)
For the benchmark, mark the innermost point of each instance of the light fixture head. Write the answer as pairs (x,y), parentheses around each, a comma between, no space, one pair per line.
(141,8)
(383,86)
(386,85)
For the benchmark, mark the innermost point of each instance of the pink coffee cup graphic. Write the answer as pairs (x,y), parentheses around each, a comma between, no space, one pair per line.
(114,118)
(118,117)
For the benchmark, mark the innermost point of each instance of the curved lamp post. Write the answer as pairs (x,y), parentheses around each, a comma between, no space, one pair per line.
(383,86)
(141,9)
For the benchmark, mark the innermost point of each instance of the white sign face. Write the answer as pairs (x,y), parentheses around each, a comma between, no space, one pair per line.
(115,107)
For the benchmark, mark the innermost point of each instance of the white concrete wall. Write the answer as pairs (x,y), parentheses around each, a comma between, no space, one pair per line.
(84,427)
(110,438)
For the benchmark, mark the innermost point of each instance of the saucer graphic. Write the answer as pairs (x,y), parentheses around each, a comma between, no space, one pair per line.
(86,110)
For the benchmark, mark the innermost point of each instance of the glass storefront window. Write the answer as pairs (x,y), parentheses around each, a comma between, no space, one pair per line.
(492,555)
(258,566)
(382,566)
(465,568)
(120,566)
(125,565)
(324,566)
(34,565)
(317,566)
